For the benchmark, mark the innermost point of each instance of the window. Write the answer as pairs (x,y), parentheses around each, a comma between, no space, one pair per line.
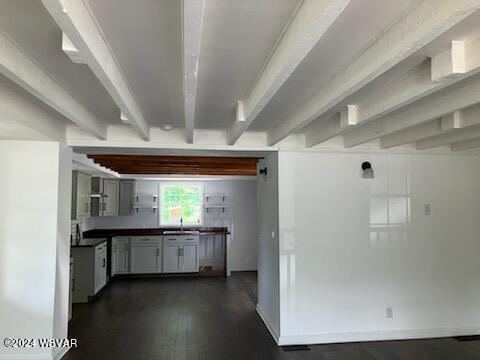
(181,201)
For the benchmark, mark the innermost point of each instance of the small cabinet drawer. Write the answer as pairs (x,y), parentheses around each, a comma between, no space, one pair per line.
(101,249)
(146,239)
(174,239)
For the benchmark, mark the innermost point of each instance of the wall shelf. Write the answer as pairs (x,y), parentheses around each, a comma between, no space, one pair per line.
(217,206)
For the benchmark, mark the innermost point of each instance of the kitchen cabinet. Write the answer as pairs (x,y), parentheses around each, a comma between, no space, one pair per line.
(89,270)
(110,197)
(81,190)
(127,190)
(146,255)
(180,254)
(120,255)
(100,267)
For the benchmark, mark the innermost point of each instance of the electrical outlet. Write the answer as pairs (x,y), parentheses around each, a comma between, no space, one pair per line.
(389,313)
(427,209)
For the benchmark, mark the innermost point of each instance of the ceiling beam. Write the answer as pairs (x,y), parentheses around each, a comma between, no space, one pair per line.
(431,128)
(438,106)
(426,22)
(321,131)
(449,138)
(306,28)
(18,112)
(466,145)
(80,26)
(20,68)
(459,61)
(192,17)
(464,124)
(411,134)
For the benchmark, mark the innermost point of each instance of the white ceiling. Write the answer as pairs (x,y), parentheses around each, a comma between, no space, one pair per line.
(356,28)
(146,38)
(29,24)
(238,38)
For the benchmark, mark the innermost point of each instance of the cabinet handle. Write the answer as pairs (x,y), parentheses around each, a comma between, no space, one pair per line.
(73,285)
(158,252)
(103,262)
(104,206)
(86,207)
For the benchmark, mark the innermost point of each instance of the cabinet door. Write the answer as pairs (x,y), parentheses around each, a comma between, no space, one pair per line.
(83,196)
(126,197)
(144,258)
(100,272)
(110,201)
(122,256)
(170,258)
(113,263)
(189,261)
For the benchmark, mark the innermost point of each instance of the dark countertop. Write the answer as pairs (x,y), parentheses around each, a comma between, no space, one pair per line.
(90,242)
(96,233)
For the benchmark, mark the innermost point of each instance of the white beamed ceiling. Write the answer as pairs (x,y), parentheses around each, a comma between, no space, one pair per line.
(228,50)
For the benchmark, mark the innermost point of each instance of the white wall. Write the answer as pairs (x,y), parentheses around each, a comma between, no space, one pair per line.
(33,243)
(240,218)
(352,247)
(268,305)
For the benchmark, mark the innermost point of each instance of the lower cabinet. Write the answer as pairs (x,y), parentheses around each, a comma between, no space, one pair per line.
(89,271)
(180,254)
(120,255)
(145,255)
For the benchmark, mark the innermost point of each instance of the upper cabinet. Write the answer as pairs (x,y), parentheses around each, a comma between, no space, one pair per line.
(81,190)
(127,190)
(110,197)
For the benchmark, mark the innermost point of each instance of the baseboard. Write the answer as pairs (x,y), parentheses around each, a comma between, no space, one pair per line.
(267,323)
(311,339)
(25,357)
(62,352)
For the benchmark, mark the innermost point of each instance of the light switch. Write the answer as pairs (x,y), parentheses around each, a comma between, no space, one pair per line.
(427,209)
(389,313)
(273,234)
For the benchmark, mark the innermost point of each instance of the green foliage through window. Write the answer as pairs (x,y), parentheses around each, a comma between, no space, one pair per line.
(181,201)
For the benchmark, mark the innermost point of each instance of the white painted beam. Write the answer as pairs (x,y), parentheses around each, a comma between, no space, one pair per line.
(324,129)
(439,105)
(192,15)
(426,22)
(460,58)
(19,67)
(306,28)
(411,134)
(466,145)
(86,161)
(75,19)
(449,138)
(18,114)
(425,130)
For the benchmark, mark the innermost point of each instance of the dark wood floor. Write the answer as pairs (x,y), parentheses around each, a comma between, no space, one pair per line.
(213,318)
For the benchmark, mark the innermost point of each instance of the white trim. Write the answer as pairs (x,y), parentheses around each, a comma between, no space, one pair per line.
(268,324)
(61,353)
(25,357)
(310,339)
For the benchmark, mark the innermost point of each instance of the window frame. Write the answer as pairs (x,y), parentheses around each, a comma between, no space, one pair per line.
(180,184)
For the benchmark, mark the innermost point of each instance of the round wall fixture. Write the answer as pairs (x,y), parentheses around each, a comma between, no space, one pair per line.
(367,170)
(167,127)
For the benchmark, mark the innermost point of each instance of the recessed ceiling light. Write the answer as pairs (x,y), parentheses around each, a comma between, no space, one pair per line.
(167,127)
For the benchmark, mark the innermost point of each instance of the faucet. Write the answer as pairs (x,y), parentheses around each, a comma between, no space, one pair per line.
(181,224)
